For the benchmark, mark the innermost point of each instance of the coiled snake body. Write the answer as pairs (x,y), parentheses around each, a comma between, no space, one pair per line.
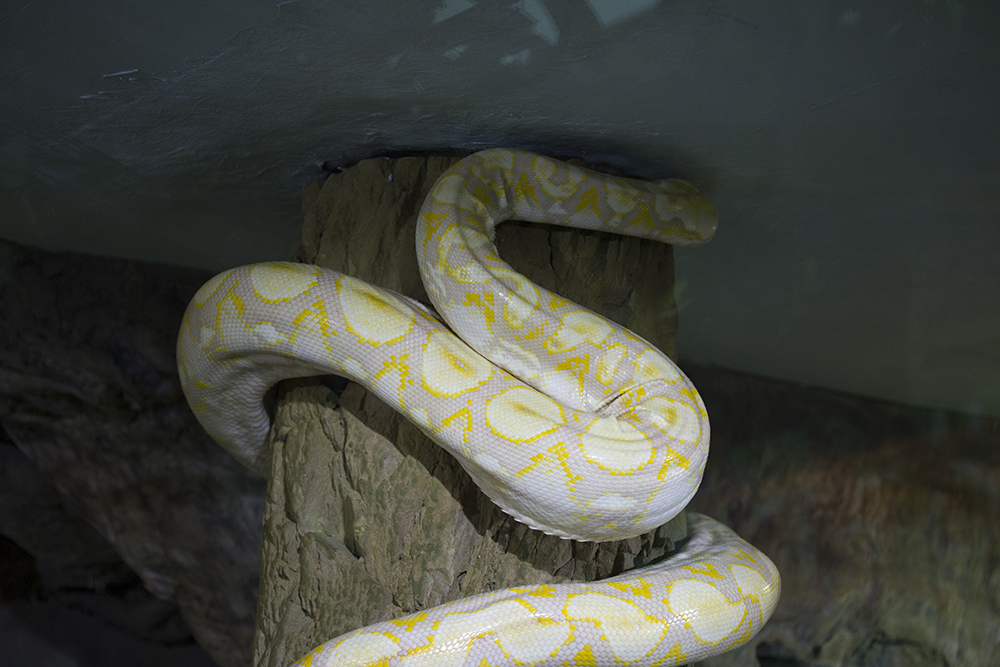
(570,423)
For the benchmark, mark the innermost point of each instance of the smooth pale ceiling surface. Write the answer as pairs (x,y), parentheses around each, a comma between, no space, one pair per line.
(852,150)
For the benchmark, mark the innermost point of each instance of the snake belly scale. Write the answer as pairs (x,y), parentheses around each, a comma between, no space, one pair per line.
(569,422)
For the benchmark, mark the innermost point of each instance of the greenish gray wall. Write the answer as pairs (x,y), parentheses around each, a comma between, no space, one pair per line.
(850,148)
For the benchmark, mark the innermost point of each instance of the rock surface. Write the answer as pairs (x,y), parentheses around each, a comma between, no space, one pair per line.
(366,519)
(884,521)
(89,395)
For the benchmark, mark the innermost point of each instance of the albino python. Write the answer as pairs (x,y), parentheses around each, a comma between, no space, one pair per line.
(569,422)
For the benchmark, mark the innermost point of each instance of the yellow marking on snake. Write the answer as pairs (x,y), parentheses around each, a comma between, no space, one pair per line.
(450,367)
(283,281)
(521,415)
(523,388)
(373,315)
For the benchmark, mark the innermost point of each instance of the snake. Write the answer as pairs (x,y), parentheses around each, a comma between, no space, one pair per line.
(569,422)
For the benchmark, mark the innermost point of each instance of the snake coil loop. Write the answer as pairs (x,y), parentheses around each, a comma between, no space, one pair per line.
(569,422)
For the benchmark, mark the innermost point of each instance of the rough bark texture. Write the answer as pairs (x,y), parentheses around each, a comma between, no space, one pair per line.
(366,519)
(89,395)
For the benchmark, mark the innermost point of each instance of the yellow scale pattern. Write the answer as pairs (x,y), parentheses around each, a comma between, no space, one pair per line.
(569,422)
